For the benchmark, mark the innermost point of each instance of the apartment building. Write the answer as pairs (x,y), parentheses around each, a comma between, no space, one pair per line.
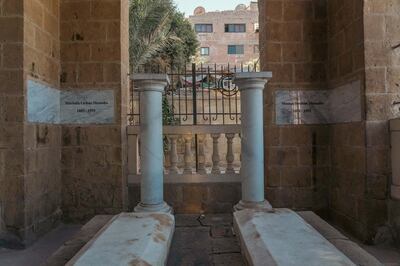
(227,36)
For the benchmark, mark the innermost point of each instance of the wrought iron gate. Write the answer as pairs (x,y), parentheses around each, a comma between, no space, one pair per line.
(199,95)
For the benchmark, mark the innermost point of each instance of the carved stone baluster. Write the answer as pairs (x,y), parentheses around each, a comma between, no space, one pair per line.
(202,156)
(188,154)
(173,154)
(215,155)
(229,153)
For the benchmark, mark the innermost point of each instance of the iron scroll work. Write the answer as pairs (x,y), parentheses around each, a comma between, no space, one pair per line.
(202,95)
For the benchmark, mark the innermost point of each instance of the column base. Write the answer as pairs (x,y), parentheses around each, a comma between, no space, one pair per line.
(163,207)
(261,206)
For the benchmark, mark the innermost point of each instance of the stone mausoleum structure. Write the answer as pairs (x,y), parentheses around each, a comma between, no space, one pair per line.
(327,117)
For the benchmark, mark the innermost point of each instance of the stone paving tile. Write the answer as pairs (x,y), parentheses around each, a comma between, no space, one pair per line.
(187,220)
(216,219)
(221,231)
(204,240)
(225,245)
(232,259)
(192,238)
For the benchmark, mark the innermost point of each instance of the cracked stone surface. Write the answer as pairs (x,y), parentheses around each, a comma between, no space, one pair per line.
(204,240)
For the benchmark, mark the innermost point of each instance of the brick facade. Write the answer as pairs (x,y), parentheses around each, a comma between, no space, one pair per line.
(218,40)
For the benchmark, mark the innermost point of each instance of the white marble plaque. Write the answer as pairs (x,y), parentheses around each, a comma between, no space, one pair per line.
(87,107)
(339,105)
(43,103)
(50,105)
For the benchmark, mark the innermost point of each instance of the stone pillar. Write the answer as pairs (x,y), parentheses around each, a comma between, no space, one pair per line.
(151,87)
(395,154)
(251,87)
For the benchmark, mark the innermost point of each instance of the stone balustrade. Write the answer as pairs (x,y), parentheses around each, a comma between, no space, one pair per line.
(218,153)
(150,132)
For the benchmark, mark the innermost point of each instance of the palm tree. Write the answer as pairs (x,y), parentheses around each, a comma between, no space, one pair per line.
(149,30)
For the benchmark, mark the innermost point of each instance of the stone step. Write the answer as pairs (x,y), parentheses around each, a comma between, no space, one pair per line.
(353,251)
(129,239)
(283,238)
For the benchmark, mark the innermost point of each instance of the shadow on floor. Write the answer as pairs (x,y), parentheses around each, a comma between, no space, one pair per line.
(38,253)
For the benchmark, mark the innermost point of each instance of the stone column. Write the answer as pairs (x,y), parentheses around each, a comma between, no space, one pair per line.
(251,86)
(151,87)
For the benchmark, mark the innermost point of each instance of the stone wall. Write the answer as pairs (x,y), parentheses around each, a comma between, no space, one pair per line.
(46,168)
(11,116)
(94,55)
(30,178)
(351,41)
(382,70)
(293,46)
(346,64)
(42,186)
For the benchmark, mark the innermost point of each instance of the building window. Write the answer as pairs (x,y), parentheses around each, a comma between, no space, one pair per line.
(256,27)
(235,49)
(256,49)
(203,27)
(235,27)
(204,51)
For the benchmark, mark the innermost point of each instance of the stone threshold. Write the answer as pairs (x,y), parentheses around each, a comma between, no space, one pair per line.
(284,238)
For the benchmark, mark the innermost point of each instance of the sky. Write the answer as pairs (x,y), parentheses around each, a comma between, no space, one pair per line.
(188,6)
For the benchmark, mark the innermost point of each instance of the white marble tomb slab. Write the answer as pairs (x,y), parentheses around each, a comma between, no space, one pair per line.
(283,238)
(87,107)
(129,239)
(43,103)
(340,105)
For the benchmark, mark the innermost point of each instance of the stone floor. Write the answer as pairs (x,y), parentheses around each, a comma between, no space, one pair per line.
(204,240)
(198,240)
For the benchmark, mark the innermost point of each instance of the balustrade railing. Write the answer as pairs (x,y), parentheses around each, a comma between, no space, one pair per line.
(218,153)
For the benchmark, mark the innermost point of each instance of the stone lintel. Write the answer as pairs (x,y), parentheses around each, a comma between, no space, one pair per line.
(129,239)
(283,238)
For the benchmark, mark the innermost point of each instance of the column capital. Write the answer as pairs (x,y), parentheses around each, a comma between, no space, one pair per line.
(252,80)
(150,82)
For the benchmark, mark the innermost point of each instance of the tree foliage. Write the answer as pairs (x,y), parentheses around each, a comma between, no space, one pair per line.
(160,36)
